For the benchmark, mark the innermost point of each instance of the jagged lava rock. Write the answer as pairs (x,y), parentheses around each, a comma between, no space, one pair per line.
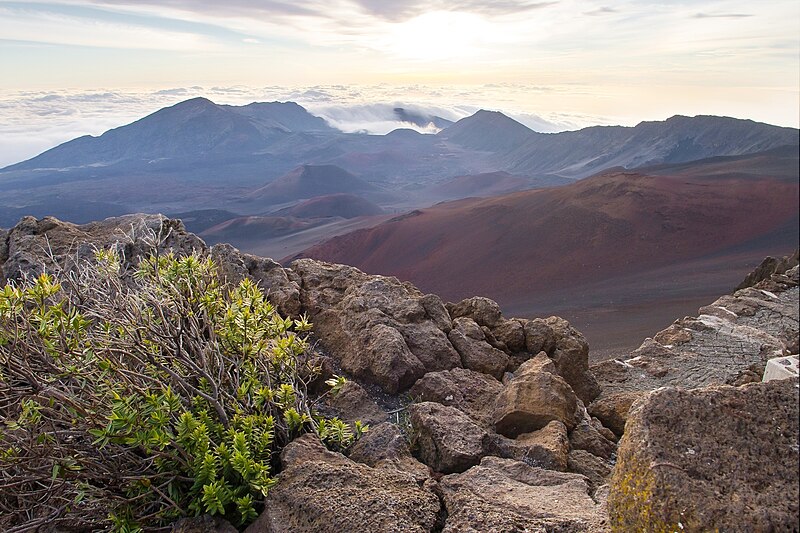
(769,267)
(502,495)
(476,353)
(322,493)
(33,246)
(612,410)
(531,400)
(722,345)
(586,436)
(385,446)
(472,393)
(352,403)
(715,459)
(446,439)
(379,329)
(546,448)
(596,470)
(483,311)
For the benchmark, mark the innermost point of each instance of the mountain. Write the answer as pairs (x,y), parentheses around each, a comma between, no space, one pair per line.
(333,205)
(488,131)
(308,181)
(485,184)
(618,238)
(420,119)
(578,154)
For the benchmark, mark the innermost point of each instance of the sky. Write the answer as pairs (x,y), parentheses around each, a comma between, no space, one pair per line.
(74,67)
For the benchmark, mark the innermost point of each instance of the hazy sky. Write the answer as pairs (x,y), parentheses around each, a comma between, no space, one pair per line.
(570,63)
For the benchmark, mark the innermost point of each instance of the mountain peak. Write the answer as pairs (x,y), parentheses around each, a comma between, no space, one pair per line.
(490,131)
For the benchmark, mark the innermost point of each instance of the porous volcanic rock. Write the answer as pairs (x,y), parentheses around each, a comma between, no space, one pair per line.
(503,495)
(722,345)
(530,401)
(715,459)
(483,311)
(379,329)
(612,410)
(33,246)
(472,393)
(547,447)
(279,284)
(319,494)
(476,352)
(596,470)
(203,524)
(352,403)
(385,446)
(586,436)
(510,332)
(768,268)
(446,439)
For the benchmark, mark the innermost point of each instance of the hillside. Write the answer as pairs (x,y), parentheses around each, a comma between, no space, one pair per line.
(308,181)
(552,249)
(332,205)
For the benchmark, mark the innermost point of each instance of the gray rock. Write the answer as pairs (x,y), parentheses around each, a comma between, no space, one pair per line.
(472,393)
(596,470)
(353,403)
(324,494)
(530,401)
(444,438)
(384,446)
(379,329)
(502,495)
(475,352)
(483,311)
(546,448)
(586,436)
(715,459)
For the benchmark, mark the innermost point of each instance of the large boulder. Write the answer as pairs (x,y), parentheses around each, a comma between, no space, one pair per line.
(716,459)
(530,401)
(483,311)
(379,329)
(317,493)
(476,352)
(384,446)
(472,393)
(33,246)
(446,439)
(612,410)
(504,495)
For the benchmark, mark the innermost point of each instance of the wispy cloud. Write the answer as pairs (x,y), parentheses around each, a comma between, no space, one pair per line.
(721,15)
(604,10)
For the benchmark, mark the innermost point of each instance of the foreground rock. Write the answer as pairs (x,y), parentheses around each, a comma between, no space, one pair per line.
(381,330)
(502,495)
(323,492)
(729,342)
(719,459)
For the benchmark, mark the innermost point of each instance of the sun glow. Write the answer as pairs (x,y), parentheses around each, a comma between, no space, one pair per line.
(436,36)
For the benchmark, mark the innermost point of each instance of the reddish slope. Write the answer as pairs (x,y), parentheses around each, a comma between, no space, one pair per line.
(524,246)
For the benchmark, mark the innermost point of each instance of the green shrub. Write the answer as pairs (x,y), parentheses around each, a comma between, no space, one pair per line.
(134,398)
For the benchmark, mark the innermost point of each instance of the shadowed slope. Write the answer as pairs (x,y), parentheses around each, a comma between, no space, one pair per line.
(333,205)
(308,181)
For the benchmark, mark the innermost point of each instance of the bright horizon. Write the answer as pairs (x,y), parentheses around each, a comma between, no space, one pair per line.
(75,67)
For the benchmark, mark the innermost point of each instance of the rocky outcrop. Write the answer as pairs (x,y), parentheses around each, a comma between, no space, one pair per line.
(380,330)
(446,439)
(33,246)
(728,342)
(324,492)
(476,352)
(769,267)
(385,446)
(531,400)
(716,459)
(506,495)
(353,403)
(468,391)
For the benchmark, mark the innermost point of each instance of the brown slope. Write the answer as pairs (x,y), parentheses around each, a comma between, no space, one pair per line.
(537,245)
(307,181)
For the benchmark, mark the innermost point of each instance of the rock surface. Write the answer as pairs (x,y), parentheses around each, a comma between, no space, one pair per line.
(502,495)
(722,458)
(335,494)
(446,439)
(353,403)
(379,329)
(728,340)
(384,446)
(476,352)
(470,392)
(530,401)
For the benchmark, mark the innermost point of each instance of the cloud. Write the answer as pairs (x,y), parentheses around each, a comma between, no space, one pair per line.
(406,9)
(721,15)
(605,10)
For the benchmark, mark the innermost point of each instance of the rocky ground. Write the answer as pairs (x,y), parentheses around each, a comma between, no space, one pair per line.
(485,423)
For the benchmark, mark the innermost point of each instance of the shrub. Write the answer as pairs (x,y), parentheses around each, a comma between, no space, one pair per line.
(132,398)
